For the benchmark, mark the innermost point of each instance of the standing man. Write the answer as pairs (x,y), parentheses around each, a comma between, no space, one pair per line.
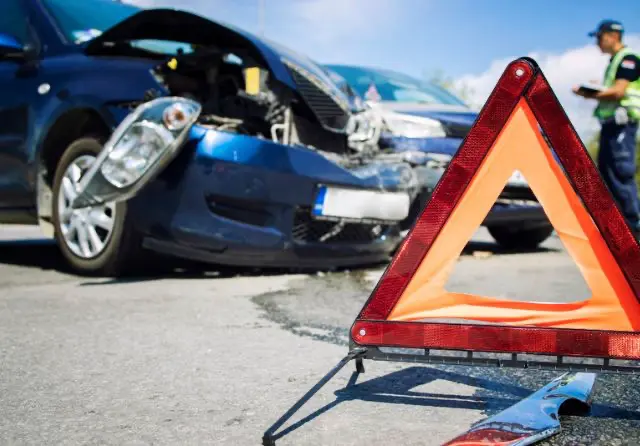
(618,111)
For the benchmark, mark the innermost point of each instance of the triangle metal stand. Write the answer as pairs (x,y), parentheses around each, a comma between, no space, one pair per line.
(530,420)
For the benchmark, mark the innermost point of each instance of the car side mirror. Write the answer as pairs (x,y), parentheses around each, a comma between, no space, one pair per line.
(12,49)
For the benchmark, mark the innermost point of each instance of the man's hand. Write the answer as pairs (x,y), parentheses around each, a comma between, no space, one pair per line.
(615,93)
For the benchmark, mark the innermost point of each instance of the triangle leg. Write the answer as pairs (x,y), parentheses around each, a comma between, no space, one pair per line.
(269,437)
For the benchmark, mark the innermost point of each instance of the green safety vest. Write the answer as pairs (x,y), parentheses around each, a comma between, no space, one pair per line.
(631,99)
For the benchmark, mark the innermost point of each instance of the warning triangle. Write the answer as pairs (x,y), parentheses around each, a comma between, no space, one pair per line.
(410,297)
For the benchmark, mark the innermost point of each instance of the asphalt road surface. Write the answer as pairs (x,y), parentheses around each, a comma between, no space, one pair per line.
(205,356)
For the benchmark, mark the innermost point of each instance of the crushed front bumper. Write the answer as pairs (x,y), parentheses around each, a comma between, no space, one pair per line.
(238,200)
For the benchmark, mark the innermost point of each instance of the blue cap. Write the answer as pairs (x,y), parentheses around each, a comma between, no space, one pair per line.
(607,26)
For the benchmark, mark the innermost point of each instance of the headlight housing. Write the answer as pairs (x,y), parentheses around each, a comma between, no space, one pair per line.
(146,141)
(136,151)
(410,127)
(363,130)
(438,160)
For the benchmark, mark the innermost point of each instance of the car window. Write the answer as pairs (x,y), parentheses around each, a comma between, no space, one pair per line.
(82,20)
(388,85)
(411,95)
(13,20)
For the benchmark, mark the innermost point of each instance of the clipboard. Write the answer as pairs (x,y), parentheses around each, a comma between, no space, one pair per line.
(590,88)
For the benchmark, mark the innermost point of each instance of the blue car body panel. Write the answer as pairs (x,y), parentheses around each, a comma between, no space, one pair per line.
(226,198)
(237,200)
(9,42)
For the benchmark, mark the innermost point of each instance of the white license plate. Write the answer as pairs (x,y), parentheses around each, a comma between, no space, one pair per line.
(357,204)
(517,179)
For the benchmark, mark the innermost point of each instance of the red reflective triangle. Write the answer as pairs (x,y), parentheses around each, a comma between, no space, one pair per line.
(411,291)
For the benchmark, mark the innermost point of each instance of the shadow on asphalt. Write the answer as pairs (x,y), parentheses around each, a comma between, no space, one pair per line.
(495,249)
(43,254)
(398,388)
(32,253)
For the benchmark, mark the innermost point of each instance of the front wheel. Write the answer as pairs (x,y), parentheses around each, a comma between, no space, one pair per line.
(520,238)
(98,240)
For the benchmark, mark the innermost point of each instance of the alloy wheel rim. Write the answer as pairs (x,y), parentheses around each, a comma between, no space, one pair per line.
(86,231)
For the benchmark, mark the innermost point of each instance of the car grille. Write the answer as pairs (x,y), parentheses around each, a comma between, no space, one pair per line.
(308,230)
(328,111)
(456,130)
(518,194)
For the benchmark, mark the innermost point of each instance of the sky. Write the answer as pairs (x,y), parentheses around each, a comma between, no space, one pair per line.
(470,41)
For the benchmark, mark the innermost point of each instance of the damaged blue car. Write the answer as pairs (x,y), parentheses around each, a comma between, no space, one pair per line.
(425,125)
(126,131)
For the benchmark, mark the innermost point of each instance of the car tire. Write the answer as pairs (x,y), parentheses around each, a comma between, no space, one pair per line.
(520,238)
(117,246)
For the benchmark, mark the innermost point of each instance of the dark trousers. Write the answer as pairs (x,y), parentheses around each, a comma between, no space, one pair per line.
(617,164)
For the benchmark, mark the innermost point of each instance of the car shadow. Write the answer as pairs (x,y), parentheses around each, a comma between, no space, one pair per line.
(43,254)
(33,253)
(491,397)
(474,247)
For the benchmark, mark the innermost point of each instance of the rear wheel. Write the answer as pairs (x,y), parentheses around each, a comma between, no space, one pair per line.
(98,240)
(520,238)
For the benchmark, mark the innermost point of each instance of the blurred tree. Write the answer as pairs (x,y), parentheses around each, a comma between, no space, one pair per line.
(438,77)
(592,146)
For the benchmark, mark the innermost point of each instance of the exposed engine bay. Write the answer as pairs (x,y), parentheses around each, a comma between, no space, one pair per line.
(238,95)
(231,82)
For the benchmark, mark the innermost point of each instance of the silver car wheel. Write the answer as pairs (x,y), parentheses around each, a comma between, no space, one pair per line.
(87,231)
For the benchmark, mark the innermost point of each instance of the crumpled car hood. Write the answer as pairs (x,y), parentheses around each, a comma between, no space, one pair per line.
(182,26)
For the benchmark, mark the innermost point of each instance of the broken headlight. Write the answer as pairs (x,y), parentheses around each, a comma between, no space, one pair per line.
(140,147)
(363,130)
(413,126)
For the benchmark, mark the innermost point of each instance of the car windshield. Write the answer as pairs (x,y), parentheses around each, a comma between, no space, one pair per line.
(82,20)
(385,85)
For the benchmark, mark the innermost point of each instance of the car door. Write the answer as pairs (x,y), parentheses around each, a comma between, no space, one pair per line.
(18,90)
